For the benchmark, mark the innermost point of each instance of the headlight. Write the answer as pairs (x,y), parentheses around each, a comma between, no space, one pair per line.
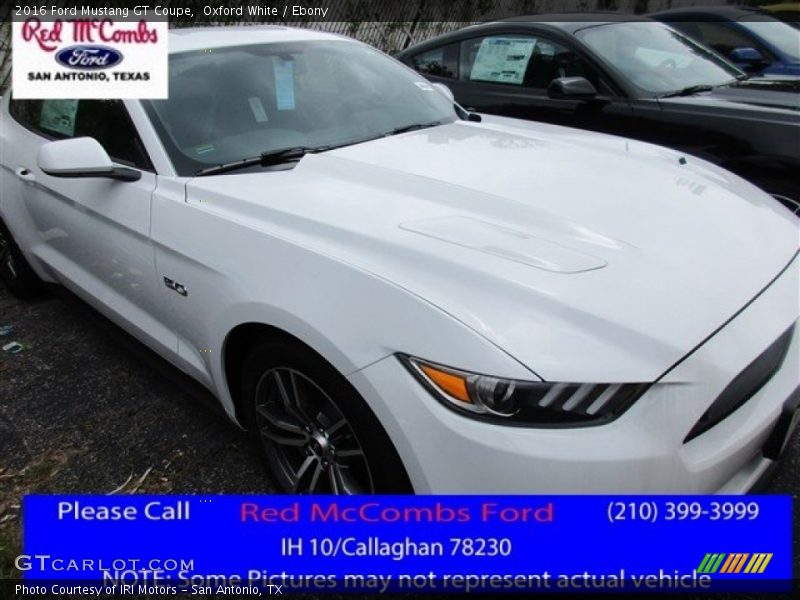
(525,402)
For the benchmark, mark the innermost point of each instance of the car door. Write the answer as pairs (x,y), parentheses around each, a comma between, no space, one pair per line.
(91,232)
(509,74)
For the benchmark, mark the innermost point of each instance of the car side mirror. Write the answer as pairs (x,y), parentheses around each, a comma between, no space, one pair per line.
(466,113)
(746,55)
(81,157)
(445,90)
(578,88)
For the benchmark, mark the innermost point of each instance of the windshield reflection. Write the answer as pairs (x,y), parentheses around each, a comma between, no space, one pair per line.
(657,59)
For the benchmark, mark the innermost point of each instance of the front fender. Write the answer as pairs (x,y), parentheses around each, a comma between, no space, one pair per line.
(360,320)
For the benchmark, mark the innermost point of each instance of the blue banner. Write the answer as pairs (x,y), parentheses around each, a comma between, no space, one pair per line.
(279,544)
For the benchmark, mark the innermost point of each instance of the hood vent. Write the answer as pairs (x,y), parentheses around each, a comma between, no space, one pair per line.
(503,242)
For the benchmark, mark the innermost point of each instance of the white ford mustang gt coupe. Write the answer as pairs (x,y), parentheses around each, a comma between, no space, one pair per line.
(392,295)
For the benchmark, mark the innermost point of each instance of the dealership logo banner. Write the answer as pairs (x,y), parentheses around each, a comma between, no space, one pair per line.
(160,544)
(89,53)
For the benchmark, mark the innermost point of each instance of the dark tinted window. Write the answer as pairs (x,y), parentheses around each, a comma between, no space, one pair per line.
(520,60)
(440,62)
(718,36)
(655,58)
(107,121)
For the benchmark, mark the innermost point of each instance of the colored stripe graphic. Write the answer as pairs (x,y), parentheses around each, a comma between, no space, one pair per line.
(715,567)
(753,561)
(740,564)
(732,559)
(711,563)
(759,564)
(735,562)
(702,567)
(708,563)
(765,563)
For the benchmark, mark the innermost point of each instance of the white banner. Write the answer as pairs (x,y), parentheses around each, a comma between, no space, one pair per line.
(89,58)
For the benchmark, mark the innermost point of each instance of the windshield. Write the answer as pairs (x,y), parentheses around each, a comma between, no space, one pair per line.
(780,35)
(228,104)
(655,58)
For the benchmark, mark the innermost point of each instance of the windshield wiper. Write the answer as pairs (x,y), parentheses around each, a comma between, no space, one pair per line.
(414,127)
(689,91)
(265,159)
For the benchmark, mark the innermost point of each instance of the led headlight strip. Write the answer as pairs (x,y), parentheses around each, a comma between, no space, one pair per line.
(524,402)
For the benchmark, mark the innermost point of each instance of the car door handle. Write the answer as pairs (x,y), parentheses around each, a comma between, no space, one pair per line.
(25,174)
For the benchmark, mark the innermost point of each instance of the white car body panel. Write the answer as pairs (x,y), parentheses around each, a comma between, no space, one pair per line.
(515,249)
(642,450)
(643,246)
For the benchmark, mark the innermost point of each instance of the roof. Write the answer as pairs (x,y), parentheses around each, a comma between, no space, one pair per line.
(198,38)
(572,22)
(732,13)
(786,6)
(597,16)
(568,23)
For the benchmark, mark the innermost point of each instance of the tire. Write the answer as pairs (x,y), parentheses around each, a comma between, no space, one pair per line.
(313,430)
(15,272)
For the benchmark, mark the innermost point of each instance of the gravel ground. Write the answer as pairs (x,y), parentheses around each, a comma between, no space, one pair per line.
(85,408)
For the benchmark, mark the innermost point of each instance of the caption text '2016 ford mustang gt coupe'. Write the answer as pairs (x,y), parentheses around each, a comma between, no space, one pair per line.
(393,295)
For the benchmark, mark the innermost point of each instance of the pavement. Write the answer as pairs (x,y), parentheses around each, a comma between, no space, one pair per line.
(85,408)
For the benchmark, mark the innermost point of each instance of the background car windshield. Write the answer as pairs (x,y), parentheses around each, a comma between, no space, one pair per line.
(228,104)
(784,37)
(655,58)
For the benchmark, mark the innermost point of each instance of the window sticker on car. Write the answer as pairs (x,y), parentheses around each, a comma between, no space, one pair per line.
(424,86)
(284,83)
(258,109)
(204,149)
(502,60)
(58,116)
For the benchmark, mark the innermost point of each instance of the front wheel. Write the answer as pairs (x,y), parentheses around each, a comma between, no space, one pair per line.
(316,434)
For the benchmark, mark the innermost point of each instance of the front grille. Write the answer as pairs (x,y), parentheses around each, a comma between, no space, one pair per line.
(745,385)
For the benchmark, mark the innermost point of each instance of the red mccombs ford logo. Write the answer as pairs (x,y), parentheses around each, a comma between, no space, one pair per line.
(50,37)
(89,58)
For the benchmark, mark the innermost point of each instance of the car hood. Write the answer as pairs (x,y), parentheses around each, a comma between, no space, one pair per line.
(778,93)
(586,257)
(783,69)
(775,100)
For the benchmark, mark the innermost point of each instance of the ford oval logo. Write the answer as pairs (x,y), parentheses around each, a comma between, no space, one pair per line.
(88,57)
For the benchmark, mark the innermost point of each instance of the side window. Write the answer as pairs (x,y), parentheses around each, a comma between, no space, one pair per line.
(51,118)
(440,62)
(107,121)
(497,59)
(520,60)
(719,37)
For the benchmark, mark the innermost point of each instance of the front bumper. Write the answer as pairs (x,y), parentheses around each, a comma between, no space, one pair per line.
(643,451)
